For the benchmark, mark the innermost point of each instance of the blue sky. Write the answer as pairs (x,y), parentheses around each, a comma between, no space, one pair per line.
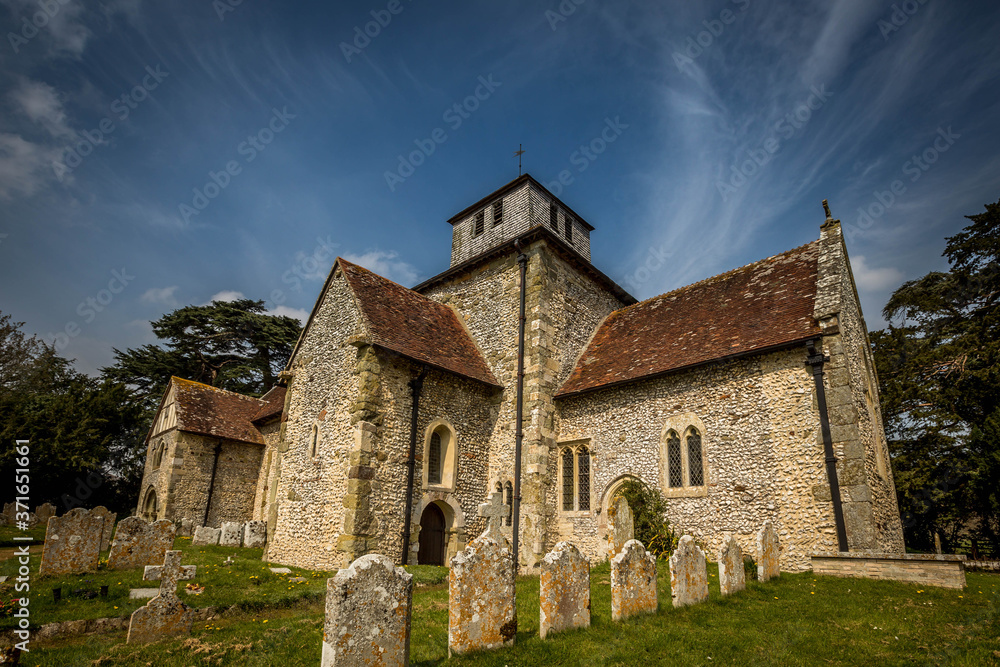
(286,118)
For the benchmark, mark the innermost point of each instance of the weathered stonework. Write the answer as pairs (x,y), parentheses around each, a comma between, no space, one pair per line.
(44,512)
(564,596)
(255,534)
(206,536)
(633,582)
(688,574)
(138,544)
(732,575)
(942,570)
(768,553)
(232,534)
(621,526)
(481,612)
(72,543)
(368,608)
(185,528)
(108,526)
(165,615)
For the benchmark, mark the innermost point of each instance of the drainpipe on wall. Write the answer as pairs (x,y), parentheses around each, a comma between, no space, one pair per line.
(416,386)
(816,360)
(522,260)
(211,481)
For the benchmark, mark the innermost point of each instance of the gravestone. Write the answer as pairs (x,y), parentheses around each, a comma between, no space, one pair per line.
(280,570)
(185,528)
(138,543)
(481,613)
(109,525)
(72,543)
(165,615)
(255,534)
(9,511)
(688,573)
(143,593)
(232,534)
(633,582)
(45,512)
(564,595)
(621,526)
(768,564)
(206,536)
(368,614)
(732,575)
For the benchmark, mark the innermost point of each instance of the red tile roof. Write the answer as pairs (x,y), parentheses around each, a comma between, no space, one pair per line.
(273,404)
(756,307)
(410,324)
(215,412)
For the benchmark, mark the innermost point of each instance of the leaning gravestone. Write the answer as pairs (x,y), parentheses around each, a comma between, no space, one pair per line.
(165,615)
(72,543)
(565,590)
(232,534)
(109,525)
(206,536)
(45,512)
(368,614)
(633,582)
(732,576)
(255,534)
(768,564)
(9,512)
(688,573)
(138,543)
(621,526)
(186,528)
(481,612)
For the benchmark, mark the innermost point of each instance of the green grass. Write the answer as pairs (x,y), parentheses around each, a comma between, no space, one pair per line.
(798,619)
(8,533)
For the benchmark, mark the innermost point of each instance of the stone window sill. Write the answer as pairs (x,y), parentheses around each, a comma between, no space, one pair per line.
(574,514)
(438,488)
(686,492)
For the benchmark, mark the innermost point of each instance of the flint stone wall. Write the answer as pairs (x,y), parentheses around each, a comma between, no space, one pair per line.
(564,594)
(481,612)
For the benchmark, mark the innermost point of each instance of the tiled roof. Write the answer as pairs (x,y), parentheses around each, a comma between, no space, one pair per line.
(215,412)
(756,307)
(410,324)
(273,404)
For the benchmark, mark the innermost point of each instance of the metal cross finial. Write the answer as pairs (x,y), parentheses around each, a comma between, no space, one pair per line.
(518,154)
(169,573)
(495,512)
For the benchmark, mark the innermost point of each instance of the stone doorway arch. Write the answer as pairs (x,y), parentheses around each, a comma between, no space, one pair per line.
(611,492)
(454,525)
(149,508)
(433,536)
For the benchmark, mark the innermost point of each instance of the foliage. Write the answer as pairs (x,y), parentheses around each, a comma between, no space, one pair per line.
(939,371)
(649,511)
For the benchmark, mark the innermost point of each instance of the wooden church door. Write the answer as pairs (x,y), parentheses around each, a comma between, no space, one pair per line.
(431,537)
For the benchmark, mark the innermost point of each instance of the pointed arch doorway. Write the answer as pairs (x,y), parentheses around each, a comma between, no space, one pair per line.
(432,536)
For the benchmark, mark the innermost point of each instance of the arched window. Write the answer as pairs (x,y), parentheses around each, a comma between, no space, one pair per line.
(683,457)
(314,441)
(575,470)
(696,470)
(440,461)
(674,461)
(509,497)
(149,506)
(434,459)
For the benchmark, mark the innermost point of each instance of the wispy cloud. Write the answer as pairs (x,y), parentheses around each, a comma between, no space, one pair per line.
(160,295)
(388,264)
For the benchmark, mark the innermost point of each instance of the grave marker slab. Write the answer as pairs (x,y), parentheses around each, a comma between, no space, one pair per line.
(621,526)
(143,593)
(138,543)
(45,512)
(109,525)
(206,536)
(368,608)
(232,534)
(732,575)
(633,582)
(72,543)
(255,534)
(688,574)
(165,615)
(768,562)
(564,590)
(185,528)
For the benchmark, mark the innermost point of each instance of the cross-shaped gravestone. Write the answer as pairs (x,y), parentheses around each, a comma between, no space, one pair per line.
(169,573)
(495,512)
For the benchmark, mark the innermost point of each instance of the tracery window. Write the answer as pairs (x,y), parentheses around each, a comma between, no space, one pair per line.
(575,471)
(684,467)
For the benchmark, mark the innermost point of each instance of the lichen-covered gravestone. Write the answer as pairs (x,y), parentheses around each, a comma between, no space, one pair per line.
(138,543)
(72,543)
(564,590)
(232,534)
(768,564)
(732,576)
(45,512)
(206,536)
(165,615)
(688,573)
(481,613)
(633,582)
(368,614)
(621,526)
(185,528)
(255,534)
(9,511)
(109,525)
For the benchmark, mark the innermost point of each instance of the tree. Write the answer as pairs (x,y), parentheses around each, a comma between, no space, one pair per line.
(232,345)
(939,368)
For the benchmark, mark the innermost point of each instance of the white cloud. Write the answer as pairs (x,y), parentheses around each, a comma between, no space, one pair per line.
(227,295)
(24,166)
(300,314)
(872,279)
(163,295)
(386,264)
(64,32)
(41,104)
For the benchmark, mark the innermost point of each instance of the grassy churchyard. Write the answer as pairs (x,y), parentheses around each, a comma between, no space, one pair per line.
(265,619)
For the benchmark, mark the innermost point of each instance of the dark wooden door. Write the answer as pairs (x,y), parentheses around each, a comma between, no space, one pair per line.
(431,537)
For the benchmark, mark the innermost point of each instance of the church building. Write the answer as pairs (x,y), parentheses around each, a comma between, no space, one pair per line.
(746,397)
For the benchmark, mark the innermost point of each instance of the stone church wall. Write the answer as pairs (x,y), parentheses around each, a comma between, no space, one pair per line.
(761,441)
